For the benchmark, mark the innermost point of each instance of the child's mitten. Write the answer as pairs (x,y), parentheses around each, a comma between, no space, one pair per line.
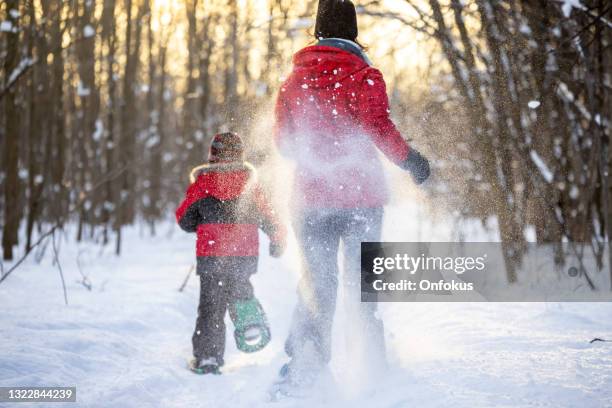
(276,249)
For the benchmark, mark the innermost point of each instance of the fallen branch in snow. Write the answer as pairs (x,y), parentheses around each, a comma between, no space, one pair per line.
(182,288)
(59,267)
(41,251)
(25,255)
(107,177)
(596,339)
(85,279)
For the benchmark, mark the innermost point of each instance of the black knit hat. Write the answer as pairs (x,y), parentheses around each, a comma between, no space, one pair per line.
(226,147)
(336,19)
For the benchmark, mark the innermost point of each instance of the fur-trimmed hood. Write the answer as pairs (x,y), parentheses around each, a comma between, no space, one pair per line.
(221,167)
(224,181)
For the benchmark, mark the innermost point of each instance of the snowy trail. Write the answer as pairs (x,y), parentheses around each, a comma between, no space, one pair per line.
(126,342)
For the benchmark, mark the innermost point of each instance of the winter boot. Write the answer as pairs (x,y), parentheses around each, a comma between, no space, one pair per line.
(204,366)
(252,332)
(300,375)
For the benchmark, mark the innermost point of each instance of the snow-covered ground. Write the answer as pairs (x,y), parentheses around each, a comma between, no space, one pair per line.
(125,343)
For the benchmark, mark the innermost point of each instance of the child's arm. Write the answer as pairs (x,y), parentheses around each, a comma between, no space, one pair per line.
(188,215)
(269,223)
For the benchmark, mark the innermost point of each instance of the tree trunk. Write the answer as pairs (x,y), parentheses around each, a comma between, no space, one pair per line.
(11,130)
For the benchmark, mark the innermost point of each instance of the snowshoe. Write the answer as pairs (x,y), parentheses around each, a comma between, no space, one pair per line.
(252,332)
(205,366)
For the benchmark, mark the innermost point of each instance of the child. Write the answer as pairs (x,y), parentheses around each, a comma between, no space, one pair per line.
(225,206)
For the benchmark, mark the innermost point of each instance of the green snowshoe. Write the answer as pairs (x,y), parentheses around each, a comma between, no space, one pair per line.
(252,332)
(205,366)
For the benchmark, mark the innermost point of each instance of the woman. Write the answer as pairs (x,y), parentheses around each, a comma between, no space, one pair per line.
(331,115)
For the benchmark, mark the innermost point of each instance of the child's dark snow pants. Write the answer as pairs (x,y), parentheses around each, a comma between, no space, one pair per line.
(319,233)
(223,282)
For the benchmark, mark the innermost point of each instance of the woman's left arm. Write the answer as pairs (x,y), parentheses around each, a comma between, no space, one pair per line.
(375,117)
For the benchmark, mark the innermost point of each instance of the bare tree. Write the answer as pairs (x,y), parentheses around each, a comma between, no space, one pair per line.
(12,184)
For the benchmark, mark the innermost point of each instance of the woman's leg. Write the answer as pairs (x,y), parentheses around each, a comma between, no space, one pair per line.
(365,330)
(318,234)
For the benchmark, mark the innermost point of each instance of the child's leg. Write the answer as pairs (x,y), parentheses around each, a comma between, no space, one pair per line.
(238,272)
(209,335)
(252,332)
(240,289)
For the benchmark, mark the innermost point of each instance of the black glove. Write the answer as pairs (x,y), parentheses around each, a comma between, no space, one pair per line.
(276,250)
(418,166)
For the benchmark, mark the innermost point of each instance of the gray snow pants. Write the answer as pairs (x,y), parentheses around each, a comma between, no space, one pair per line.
(319,233)
(223,282)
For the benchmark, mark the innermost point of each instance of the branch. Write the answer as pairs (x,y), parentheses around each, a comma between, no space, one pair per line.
(77,206)
(59,267)
(186,278)
(590,13)
(23,67)
(85,281)
(583,29)
(32,63)
(396,16)
(25,255)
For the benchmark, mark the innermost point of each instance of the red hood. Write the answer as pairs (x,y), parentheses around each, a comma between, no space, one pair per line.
(224,186)
(324,67)
(223,181)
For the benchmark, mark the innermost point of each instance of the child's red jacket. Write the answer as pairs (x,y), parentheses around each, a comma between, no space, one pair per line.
(226,206)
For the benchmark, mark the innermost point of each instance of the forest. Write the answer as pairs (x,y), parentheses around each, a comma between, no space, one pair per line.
(105,106)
